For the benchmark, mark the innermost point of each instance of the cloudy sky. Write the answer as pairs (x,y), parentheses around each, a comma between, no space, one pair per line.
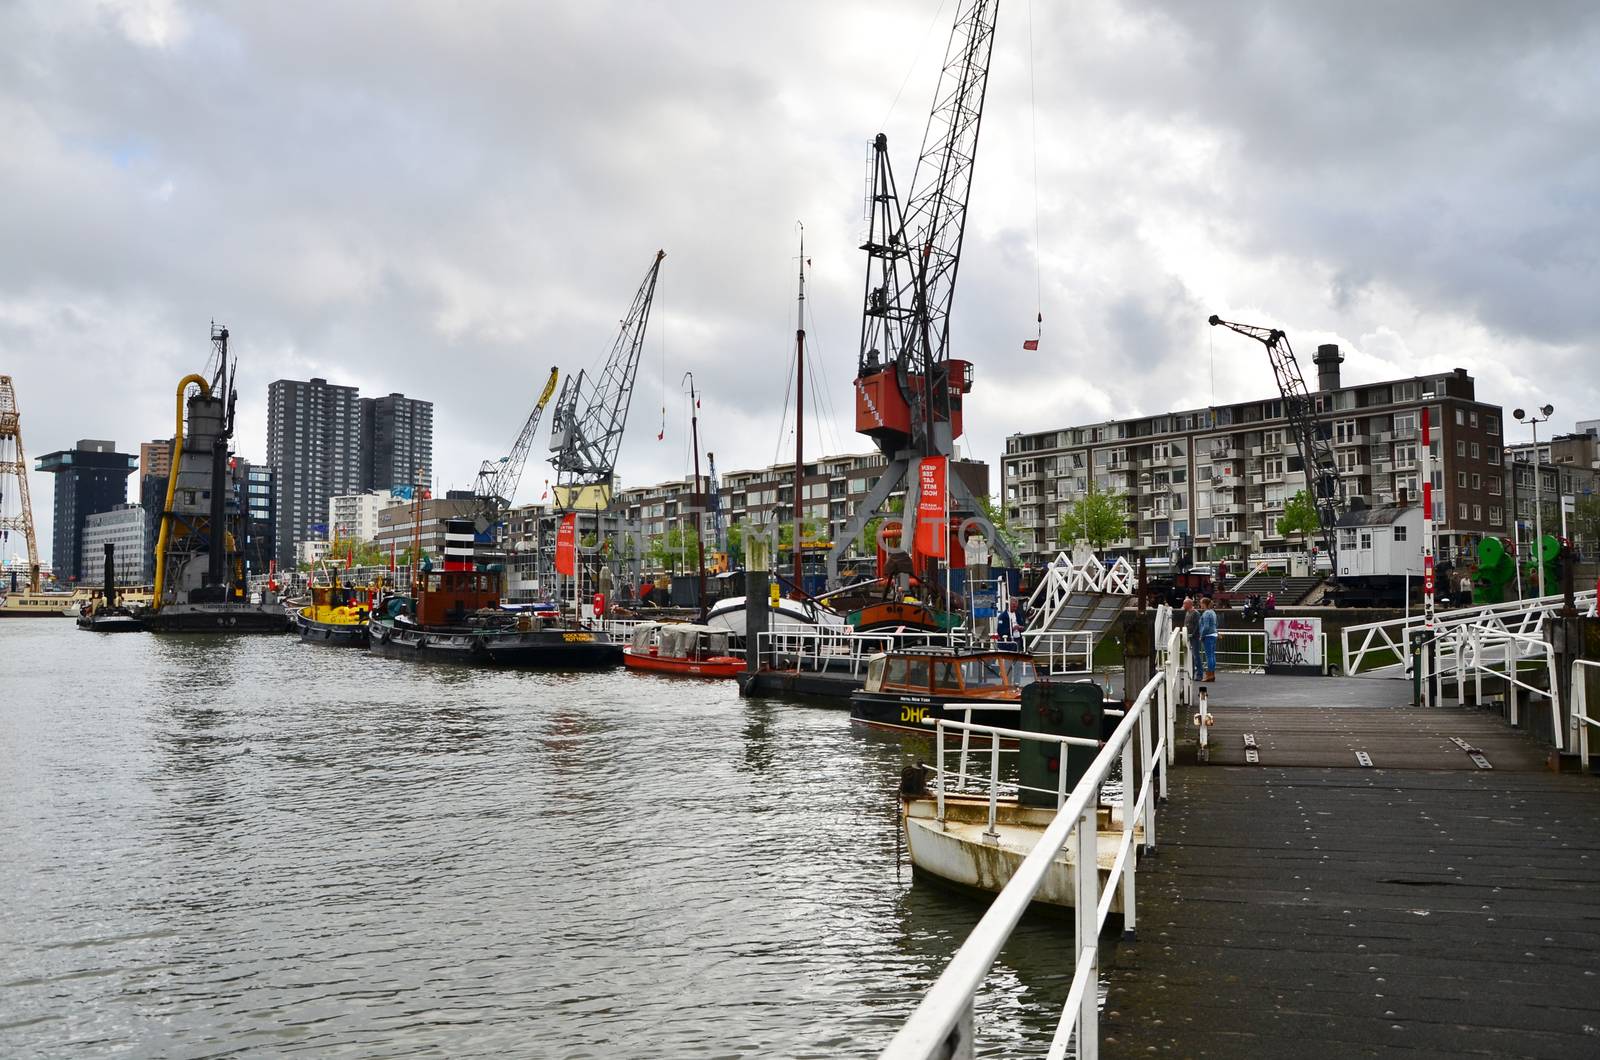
(445,199)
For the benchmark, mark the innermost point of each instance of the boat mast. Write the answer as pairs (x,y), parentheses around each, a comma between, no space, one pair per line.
(799,419)
(695,494)
(416,534)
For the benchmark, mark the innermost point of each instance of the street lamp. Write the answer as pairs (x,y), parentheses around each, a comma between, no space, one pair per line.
(1538,505)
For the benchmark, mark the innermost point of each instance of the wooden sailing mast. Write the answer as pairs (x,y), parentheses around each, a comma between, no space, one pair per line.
(799,591)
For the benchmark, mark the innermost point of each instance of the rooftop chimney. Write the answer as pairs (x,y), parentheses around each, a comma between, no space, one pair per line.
(1328,360)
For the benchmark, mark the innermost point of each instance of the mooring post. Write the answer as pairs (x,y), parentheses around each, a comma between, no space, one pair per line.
(756,589)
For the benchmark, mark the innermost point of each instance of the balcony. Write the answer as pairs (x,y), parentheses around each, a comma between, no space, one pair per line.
(1229,508)
(1266,449)
(1350,439)
(1226,452)
(1354,469)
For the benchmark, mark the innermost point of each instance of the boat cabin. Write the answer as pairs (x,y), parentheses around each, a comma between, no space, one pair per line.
(447,597)
(974,675)
(679,640)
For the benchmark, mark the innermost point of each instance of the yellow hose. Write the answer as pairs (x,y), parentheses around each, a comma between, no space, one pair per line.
(172,487)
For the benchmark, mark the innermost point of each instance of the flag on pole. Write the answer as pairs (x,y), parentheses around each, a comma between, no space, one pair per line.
(1038,333)
(1031,344)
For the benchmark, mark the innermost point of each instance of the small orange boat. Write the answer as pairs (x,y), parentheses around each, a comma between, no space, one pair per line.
(681,648)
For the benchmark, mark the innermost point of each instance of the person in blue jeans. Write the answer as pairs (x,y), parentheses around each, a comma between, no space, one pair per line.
(1208,637)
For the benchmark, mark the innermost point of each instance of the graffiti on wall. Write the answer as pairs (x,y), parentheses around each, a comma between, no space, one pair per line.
(1294,642)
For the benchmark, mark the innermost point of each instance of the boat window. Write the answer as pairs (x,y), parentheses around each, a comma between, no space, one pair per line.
(875,674)
(895,672)
(983,673)
(433,583)
(946,674)
(1019,672)
(917,673)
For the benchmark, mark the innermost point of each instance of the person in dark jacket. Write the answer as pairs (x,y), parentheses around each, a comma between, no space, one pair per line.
(1191,629)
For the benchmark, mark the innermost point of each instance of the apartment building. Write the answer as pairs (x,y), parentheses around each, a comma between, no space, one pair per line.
(1213,481)
(831,489)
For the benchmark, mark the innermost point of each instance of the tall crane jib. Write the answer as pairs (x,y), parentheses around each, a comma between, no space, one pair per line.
(498,479)
(1316,448)
(909,390)
(14,467)
(590,414)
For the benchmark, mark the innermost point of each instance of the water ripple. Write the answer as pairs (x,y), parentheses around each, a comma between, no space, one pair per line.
(247,845)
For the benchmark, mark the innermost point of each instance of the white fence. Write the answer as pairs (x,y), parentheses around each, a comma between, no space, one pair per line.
(942,1024)
(1380,649)
(838,649)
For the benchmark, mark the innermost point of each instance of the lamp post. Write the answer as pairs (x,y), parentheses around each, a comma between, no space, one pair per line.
(1538,503)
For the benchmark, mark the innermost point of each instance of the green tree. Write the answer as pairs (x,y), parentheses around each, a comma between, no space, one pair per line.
(1096,517)
(867,543)
(996,514)
(673,551)
(1299,517)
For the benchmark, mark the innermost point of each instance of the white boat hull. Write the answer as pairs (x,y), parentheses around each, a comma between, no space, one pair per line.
(956,850)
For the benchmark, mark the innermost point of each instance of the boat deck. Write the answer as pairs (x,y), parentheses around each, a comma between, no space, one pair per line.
(1310,905)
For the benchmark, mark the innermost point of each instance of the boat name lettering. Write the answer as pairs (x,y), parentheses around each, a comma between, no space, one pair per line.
(577,636)
(916,714)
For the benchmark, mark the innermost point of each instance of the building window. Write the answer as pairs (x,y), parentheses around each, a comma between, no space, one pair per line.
(1494,486)
(1472,417)
(1494,516)
(1399,533)
(1494,454)
(1477,513)
(1474,450)
(1461,479)
(1461,448)
(1477,481)
(1461,511)
(1461,418)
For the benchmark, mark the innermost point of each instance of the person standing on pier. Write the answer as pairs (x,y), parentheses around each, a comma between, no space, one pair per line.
(1208,637)
(1191,630)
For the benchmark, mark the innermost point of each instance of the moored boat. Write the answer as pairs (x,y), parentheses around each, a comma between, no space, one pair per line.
(109,613)
(337,615)
(454,615)
(968,833)
(681,648)
(907,687)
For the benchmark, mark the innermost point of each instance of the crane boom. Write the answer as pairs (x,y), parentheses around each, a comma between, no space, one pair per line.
(909,390)
(914,254)
(498,479)
(1316,451)
(587,425)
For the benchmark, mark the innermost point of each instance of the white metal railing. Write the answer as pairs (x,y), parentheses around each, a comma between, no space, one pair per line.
(1059,651)
(1381,648)
(838,649)
(1483,650)
(942,1024)
(1581,721)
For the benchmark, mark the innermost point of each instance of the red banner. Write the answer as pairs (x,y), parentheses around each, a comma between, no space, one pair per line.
(931,531)
(567,544)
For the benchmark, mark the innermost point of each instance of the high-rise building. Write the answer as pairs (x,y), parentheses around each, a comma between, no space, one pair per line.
(314,450)
(396,440)
(123,527)
(91,478)
(1211,483)
(155,458)
(258,510)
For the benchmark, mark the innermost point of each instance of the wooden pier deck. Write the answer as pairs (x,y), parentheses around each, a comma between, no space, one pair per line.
(1308,905)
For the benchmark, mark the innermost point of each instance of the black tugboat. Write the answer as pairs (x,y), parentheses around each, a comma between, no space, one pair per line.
(454,615)
(200,578)
(109,616)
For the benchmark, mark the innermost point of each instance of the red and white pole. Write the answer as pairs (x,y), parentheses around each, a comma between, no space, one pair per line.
(1426,462)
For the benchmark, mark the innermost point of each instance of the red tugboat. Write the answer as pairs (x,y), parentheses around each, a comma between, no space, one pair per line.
(681,648)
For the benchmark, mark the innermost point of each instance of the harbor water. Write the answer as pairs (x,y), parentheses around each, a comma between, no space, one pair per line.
(249,845)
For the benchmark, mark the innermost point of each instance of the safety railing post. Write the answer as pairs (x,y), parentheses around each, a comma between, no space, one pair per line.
(1511,686)
(1086,901)
(1130,796)
(994,785)
(938,758)
(1146,753)
(1477,667)
(1461,670)
(1580,714)
(1555,694)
